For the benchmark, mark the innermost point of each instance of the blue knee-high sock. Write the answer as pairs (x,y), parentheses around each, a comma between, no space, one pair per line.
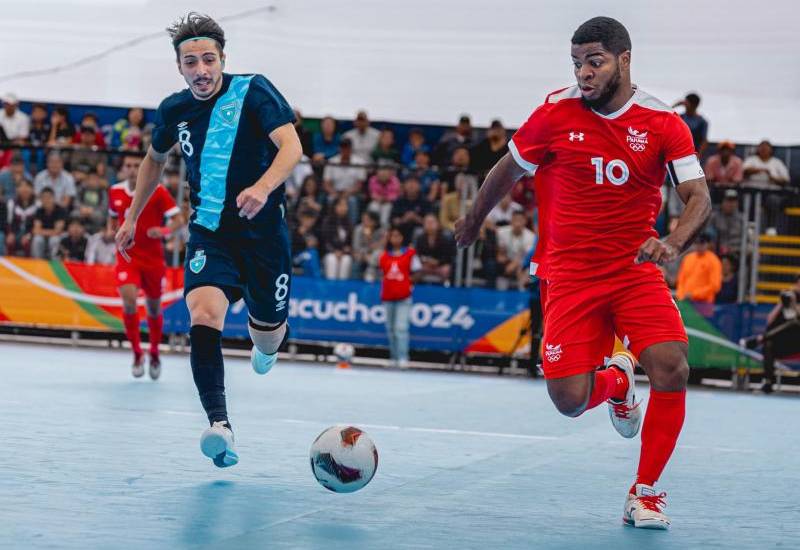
(208,371)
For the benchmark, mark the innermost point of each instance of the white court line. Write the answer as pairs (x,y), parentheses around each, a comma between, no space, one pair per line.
(432,430)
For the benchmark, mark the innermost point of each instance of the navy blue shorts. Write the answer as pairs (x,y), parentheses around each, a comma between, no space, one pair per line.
(258,270)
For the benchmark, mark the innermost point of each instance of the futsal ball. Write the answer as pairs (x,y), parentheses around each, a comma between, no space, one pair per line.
(344,352)
(343,459)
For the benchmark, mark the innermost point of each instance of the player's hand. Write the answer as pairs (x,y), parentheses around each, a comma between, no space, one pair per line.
(124,238)
(657,251)
(466,232)
(251,200)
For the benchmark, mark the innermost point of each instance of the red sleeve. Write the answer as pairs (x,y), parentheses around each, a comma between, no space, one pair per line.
(166,202)
(677,139)
(111,210)
(529,144)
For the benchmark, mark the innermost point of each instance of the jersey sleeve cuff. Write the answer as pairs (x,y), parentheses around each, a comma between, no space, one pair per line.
(171,212)
(684,169)
(524,164)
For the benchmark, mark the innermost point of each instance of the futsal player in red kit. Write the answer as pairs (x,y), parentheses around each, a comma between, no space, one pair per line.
(602,149)
(145,265)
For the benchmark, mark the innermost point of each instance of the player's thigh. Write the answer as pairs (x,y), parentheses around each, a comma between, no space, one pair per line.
(153,281)
(267,271)
(644,311)
(128,275)
(578,333)
(212,262)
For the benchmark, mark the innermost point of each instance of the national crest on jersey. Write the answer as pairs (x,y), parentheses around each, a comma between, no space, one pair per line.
(603,173)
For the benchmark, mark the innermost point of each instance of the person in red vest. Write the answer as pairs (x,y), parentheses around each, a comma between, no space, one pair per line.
(400,266)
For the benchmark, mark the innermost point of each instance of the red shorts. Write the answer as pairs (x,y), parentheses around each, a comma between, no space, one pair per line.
(150,278)
(581,319)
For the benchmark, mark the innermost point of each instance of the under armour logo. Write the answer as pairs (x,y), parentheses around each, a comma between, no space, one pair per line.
(576,136)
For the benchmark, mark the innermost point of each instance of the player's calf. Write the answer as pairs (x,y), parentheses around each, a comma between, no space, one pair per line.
(267,340)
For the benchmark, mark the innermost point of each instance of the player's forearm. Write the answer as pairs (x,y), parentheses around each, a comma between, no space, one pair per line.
(498,183)
(146,183)
(692,221)
(287,158)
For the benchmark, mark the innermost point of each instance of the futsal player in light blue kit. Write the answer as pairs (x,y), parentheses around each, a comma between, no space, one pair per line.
(237,138)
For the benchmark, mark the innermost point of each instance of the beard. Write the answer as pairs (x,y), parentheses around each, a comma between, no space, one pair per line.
(611,88)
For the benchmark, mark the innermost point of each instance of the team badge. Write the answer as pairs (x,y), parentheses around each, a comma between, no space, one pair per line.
(637,140)
(197,263)
(553,352)
(228,113)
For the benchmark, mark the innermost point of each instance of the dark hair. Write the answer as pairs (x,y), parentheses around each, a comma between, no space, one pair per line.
(397,228)
(195,25)
(46,190)
(39,106)
(693,98)
(609,32)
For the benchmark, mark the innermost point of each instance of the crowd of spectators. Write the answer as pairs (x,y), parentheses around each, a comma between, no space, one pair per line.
(348,191)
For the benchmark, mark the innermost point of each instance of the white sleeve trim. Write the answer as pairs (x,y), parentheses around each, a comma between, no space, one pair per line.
(685,169)
(416,265)
(171,212)
(524,164)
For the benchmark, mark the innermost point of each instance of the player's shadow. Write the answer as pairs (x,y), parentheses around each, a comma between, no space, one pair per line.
(207,513)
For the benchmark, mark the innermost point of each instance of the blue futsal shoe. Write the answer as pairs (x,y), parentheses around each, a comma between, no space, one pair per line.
(262,363)
(217,444)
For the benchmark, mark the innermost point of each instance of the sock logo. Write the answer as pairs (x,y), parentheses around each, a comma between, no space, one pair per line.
(197,263)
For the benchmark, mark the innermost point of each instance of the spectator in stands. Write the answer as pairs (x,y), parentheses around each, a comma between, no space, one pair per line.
(428,177)
(101,248)
(723,169)
(12,175)
(337,235)
(501,214)
(729,292)
(306,138)
(461,136)
(306,225)
(61,129)
(172,182)
(129,131)
(326,141)
(363,137)
(90,120)
(297,176)
(368,242)
(698,125)
(400,267)
(726,224)
(765,171)
(15,123)
(58,180)
(307,260)
(4,223)
(410,209)
(40,128)
(386,151)
(91,203)
(311,197)
(86,151)
(458,182)
(415,144)
(488,152)
(384,189)
(73,244)
(700,274)
(345,173)
(48,225)
(436,250)
(21,210)
(485,258)
(513,243)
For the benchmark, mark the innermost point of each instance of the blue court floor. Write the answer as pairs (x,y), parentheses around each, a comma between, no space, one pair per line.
(95,459)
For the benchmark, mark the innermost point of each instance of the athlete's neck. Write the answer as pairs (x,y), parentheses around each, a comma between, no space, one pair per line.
(623,95)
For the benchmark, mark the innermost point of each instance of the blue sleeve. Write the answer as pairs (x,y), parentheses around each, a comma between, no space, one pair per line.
(164,134)
(268,105)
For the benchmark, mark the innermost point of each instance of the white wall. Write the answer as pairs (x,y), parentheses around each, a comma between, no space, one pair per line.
(422,60)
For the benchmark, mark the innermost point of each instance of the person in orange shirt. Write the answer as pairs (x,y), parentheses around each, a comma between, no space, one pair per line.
(700,274)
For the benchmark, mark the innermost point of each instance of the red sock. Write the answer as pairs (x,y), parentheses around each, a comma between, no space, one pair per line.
(608,383)
(132,331)
(660,430)
(155,324)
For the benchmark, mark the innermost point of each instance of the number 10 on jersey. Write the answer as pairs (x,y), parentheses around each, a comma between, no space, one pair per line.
(616,171)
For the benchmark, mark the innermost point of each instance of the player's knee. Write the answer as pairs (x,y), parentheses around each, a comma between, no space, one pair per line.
(129,306)
(206,316)
(153,307)
(570,403)
(672,374)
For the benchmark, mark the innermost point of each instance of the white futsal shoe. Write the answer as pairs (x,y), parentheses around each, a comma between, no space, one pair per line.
(137,368)
(643,508)
(626,415)
(154,367)
(217,444)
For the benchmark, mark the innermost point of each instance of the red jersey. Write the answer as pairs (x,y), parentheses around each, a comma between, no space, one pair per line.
(603,175)
(145,250)
(397,274)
